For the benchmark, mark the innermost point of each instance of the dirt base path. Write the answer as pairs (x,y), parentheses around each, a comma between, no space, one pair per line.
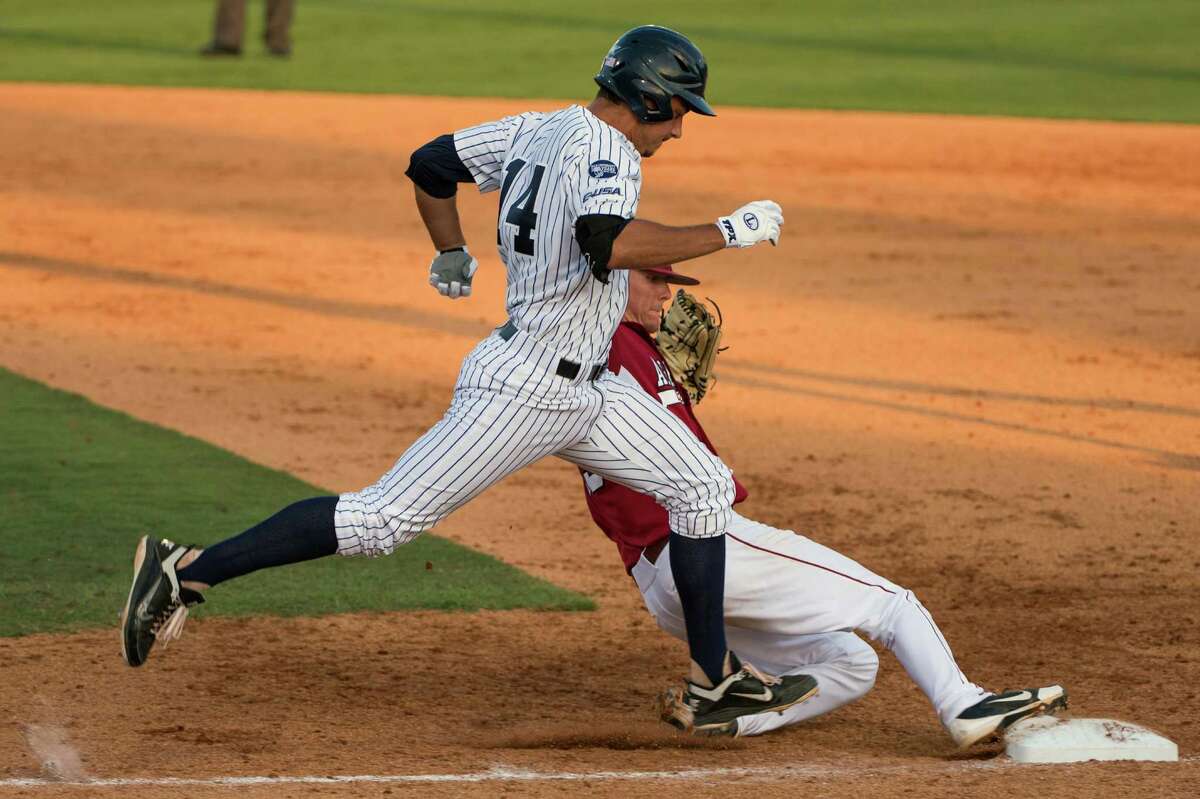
(973,364)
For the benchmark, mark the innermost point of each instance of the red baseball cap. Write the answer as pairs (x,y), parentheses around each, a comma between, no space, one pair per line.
(672,276)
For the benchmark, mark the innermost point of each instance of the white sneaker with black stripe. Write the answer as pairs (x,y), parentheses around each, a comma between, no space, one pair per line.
(993,715)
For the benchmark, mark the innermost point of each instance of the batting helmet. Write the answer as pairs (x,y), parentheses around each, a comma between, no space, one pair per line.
(648,66)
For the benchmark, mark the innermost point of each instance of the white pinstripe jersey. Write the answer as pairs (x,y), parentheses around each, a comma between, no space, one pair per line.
(550,170)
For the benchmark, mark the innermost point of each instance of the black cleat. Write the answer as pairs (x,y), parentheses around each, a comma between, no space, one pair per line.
(993,715)
(157,605)
(746,692)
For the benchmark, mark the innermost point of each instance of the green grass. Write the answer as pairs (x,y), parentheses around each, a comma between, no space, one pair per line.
(79,484)
(1104,59)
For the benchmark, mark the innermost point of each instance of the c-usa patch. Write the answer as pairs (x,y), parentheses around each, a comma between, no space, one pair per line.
(602,169)
(603,190)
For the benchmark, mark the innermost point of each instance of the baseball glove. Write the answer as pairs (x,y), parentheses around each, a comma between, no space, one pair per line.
(689,340)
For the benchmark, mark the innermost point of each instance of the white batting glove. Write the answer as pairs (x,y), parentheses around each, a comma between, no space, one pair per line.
(752,223)
(451,273)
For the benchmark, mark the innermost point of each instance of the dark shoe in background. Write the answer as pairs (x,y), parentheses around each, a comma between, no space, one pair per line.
(214,49)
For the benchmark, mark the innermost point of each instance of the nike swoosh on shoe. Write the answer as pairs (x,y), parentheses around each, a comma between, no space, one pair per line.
(142,614)
(994,715)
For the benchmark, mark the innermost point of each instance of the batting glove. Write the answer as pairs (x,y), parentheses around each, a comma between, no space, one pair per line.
(752,223)
(451,272)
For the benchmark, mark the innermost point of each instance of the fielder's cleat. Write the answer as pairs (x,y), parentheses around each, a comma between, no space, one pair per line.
(993,715)
(745,692)
(157,605)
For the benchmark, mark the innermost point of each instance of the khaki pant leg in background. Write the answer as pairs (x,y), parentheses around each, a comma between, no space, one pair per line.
(230,23)
(279,21)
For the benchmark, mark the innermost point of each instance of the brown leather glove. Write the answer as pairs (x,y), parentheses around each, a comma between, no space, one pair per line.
(689,340)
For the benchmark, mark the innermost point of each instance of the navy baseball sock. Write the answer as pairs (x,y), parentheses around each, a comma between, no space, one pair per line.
(698,565)
(301,531)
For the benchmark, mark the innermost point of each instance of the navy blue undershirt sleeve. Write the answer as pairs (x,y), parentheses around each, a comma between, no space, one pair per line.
(596,234)
(437,169)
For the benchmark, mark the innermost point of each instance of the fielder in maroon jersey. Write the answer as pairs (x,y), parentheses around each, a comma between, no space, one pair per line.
(791,604)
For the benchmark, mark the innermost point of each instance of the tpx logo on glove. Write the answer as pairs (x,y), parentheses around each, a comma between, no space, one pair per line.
(729,231)
(751,221)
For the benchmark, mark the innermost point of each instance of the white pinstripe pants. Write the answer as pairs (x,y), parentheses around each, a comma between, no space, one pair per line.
(791,605)
(511,409)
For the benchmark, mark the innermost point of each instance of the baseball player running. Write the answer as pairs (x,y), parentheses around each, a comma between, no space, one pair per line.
(790,603)
(569,236)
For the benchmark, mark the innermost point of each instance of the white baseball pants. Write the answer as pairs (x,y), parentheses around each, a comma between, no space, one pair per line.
(510,408)
(790,607)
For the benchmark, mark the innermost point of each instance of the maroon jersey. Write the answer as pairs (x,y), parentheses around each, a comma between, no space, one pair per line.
(635,521)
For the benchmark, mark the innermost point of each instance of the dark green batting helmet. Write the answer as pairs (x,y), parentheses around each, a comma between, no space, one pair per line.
(648,66)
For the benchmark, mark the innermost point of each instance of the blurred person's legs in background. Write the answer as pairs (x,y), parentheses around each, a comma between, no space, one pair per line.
(229,28)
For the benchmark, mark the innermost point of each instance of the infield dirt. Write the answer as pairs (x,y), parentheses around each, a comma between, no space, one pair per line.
(973,364)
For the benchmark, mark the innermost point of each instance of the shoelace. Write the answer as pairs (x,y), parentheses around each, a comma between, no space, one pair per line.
(168,625)
(766,679)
